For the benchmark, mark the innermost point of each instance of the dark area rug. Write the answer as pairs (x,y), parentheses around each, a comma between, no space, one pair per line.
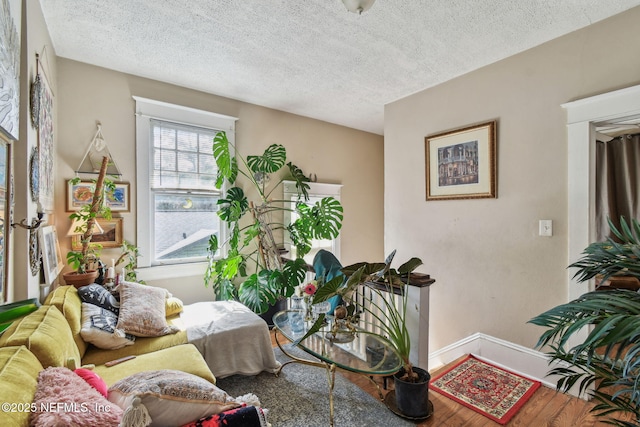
(300,397)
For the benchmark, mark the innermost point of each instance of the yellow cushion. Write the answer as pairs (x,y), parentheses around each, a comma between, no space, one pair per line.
(185,357)
(173,306)
(66,299)
(19,370)
(141,345)
(46,333)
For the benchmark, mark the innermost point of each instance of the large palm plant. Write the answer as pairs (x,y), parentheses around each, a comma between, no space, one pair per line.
(607,364)
(252,270)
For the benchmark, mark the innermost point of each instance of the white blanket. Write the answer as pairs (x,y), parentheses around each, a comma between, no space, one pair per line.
(230,337)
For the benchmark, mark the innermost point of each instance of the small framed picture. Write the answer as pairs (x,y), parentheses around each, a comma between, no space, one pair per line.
(461,164)
(111,237)
(81,194)
(51,257)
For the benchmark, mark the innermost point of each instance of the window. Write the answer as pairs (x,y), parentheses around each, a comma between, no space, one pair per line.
(176,172)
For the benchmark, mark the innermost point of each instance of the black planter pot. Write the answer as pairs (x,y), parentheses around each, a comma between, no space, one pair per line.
(268,315)
(412,399)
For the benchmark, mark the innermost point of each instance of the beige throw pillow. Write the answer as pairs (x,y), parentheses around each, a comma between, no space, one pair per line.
(142,311)
(169,397)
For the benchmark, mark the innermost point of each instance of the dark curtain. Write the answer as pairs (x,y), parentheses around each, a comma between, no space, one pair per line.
(617,182)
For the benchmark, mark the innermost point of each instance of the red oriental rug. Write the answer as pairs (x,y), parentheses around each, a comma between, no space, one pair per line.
(487,389)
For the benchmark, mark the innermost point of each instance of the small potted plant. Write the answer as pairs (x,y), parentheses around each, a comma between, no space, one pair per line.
(86,260)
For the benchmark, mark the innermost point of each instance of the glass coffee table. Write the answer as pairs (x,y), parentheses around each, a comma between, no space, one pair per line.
(366,354)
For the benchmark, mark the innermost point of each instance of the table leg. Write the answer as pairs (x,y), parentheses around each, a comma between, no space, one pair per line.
(331,377)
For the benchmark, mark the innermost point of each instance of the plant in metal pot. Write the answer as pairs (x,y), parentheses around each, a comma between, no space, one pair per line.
(249,264)
(86,260)
(384,300)
(606,364)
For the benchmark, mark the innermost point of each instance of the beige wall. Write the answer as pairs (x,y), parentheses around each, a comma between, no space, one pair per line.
(336,154)
(493,271)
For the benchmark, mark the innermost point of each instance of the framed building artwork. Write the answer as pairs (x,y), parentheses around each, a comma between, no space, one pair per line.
(461,163)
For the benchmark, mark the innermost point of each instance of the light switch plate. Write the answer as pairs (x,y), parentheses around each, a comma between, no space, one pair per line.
(545,227)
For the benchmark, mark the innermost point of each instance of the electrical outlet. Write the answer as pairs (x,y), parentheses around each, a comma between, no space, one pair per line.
(545,227)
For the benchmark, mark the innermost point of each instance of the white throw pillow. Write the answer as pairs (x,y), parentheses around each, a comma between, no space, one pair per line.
(168,397)
(99,328)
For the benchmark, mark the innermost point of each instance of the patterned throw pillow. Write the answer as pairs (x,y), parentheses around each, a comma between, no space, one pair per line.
(171,398)
(99,328)
(98,295)
(142,310)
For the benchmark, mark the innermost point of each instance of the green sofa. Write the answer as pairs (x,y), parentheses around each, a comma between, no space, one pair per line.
(50,336)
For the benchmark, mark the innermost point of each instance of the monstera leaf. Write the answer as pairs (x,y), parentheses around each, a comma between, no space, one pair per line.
(300,180)
(226,163)
(272,160)
(256,292)
(233,206)
(326,218)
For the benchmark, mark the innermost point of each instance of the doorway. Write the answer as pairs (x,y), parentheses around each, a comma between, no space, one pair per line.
(584,118)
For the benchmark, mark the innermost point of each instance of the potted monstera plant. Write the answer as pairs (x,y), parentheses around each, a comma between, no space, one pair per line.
(251,267)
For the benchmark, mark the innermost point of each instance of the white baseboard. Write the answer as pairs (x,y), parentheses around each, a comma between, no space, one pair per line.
(516,358)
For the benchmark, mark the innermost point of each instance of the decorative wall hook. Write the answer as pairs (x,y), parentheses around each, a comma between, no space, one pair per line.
(35,223)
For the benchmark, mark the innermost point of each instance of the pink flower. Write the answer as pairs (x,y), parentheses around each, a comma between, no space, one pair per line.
(310,289)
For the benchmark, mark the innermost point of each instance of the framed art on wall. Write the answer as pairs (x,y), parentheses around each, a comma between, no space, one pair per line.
(51,258)
(461,163)
(111,237)
(81,194)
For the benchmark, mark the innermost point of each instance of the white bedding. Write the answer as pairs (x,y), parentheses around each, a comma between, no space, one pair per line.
(230,337)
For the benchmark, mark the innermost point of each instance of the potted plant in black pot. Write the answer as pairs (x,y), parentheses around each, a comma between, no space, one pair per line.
(86,261)
(251,268)
(381,284)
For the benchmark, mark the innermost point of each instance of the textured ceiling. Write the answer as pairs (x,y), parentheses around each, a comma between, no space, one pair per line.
(311,57)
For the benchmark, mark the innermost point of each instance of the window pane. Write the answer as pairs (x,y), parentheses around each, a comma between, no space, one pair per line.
(207,164)
(187,162)
(206,143)
(167,139)
(188,140)
(183,225)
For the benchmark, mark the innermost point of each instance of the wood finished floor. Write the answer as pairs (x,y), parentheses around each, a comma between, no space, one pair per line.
(546,408)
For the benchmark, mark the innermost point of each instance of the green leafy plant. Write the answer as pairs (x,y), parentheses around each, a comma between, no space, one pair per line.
(86,258)
(381,283)
(606,365)
(251,268)
(129,259)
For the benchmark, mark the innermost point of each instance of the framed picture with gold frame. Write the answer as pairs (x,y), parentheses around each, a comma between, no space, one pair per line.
(111,237)
(461,163)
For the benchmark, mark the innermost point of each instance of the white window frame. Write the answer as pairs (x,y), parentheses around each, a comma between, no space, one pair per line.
(147,109)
